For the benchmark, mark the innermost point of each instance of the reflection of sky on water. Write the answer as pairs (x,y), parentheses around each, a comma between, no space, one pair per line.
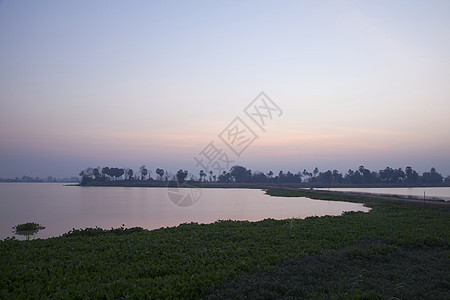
(61,208)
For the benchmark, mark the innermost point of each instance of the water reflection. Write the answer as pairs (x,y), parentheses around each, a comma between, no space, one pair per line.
(62,208)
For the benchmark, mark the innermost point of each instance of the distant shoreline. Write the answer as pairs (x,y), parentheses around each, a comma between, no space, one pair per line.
(156,183)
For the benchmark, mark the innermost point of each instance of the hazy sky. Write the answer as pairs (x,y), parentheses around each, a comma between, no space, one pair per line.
(126,83)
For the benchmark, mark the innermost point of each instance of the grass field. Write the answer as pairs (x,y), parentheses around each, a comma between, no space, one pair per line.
(399,249)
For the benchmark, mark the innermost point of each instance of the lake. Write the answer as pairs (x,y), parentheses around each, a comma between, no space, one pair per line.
(418,192)
(61,208)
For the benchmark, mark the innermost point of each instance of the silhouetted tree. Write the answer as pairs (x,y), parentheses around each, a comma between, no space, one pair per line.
(181,175)
(307,175)
(259,177)
(432,176)
(353,177)
(160,173)
(105,171)
(411,176)
(288,177)
(392,175)
(143,171)
(337,177)
(280,177)
(87,175)
(325,177)
(202,174)
(118,172)
(129,173)
(367,175)
(240,174)
(316,171)
(224,177)
(96,173)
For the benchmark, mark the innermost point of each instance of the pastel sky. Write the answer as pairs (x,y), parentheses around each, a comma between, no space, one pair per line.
(126,83)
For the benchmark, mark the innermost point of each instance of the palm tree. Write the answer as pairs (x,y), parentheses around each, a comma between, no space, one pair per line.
(316,171)
(202,174)
(160,173)
(210,175)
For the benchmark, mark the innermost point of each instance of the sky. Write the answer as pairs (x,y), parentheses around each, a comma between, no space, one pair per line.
(131,83)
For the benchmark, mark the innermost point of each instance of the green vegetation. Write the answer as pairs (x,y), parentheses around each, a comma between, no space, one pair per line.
(27,226)
(399,249)
(27,229)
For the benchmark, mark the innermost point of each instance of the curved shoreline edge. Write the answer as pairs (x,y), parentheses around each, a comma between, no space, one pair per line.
(357,197)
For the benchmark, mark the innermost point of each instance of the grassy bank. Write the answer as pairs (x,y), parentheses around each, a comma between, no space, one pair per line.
(399,249)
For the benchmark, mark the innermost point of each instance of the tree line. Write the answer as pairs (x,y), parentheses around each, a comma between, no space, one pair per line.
(240,174)
(39,179)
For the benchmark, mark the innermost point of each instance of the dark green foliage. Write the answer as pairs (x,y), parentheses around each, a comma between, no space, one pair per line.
(100,231)
(372,269)
(27,227)
(396,250)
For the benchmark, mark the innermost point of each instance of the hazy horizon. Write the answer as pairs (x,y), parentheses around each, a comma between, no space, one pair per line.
(109,83)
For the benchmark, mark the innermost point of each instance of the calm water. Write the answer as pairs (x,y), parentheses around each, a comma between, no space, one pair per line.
(430,192)
(60,208)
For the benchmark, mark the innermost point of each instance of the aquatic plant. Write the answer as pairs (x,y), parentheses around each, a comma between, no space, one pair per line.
(27,229)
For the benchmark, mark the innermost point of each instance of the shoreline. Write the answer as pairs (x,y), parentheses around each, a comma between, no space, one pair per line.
(313,194)
(266,186)
(398,196)
(156,183)
(359,197)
